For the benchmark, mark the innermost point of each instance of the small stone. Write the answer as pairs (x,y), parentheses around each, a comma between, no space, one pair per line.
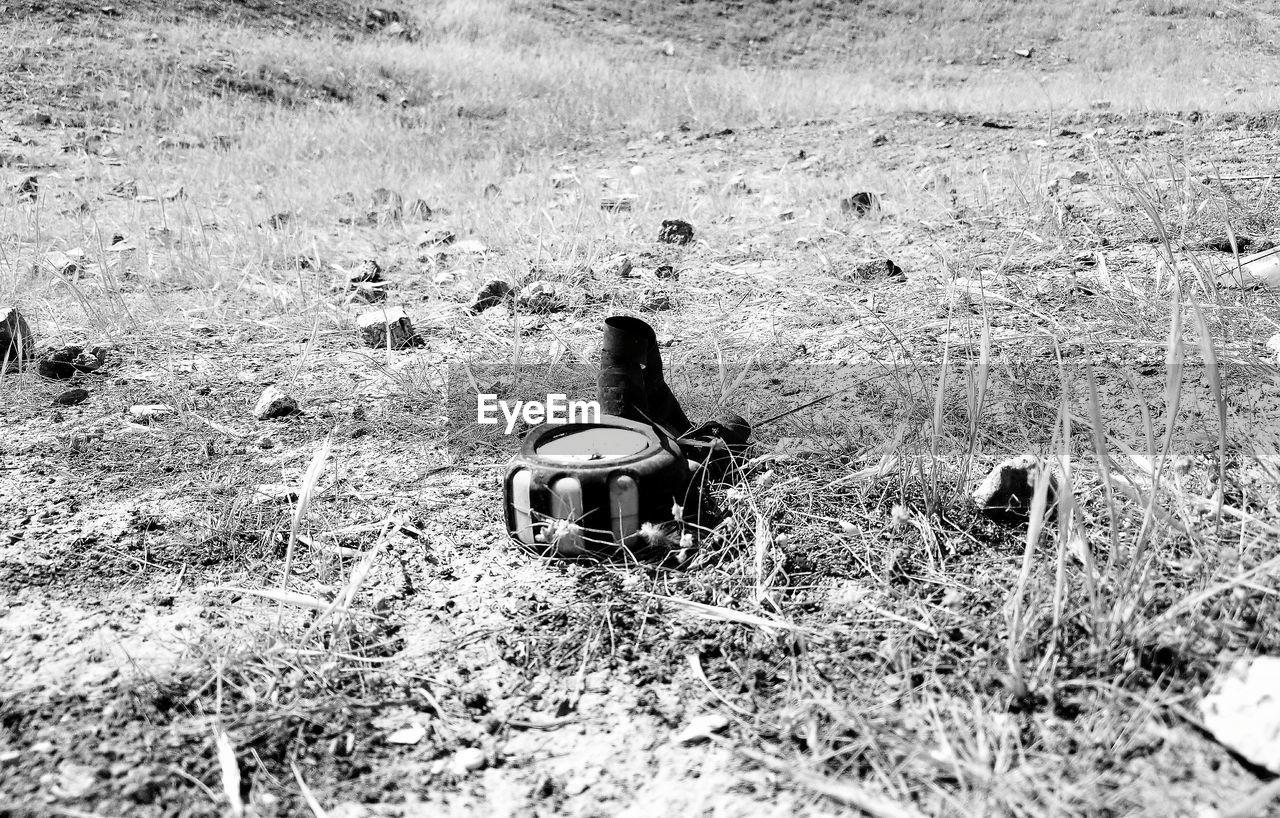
(63,263)
(674,231)
(410,735)
(418,210)
(702,728)
(875,270)
(368,271)
(90,361)
(1243,710)
(879,139)
(655,301)
(1244,244)
(491,295)
(1273,346)
(390,327)
(17,344)
(274,404)
(492,191)
(859,204)
(541,296)
(58,365)
(10,758)
(278,221)
(128,189)
(72,397)
(28,188)
(74,781)
(1006,493)
(385,205)
(615,267)
(467,760)
(147,412)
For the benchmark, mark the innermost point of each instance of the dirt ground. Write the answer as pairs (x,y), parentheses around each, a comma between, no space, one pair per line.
(872,672)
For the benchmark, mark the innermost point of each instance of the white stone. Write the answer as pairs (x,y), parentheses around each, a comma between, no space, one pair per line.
(412,734)
(274,404)
(147,412)
(467,760)
(703,727)
(1243,710)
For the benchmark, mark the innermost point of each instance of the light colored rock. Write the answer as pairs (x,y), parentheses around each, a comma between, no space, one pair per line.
(541,296)
(618,266)
(147,412)
(389,327)
(1273,346)
(1007,492)
(467,760)
(274,403)
(1243,710)
(702,728)
(410,735)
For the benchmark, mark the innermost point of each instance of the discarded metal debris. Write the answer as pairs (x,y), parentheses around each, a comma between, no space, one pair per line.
(621,482)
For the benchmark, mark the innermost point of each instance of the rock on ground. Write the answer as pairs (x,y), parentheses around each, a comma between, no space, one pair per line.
(274,404)
(1006,493)
(1243,710)
(390,327)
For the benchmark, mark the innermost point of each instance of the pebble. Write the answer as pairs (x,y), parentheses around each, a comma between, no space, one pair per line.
(274,404)
(388,327)
(491,295)
(410,735)
(147,412)
(674,231)
(468,760)
(702,728)
(1007,491)
(859,204)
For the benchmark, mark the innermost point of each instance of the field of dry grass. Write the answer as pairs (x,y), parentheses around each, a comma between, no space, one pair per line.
(1060,185)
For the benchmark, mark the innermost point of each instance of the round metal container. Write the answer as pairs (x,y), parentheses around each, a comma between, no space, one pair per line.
(579,487)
